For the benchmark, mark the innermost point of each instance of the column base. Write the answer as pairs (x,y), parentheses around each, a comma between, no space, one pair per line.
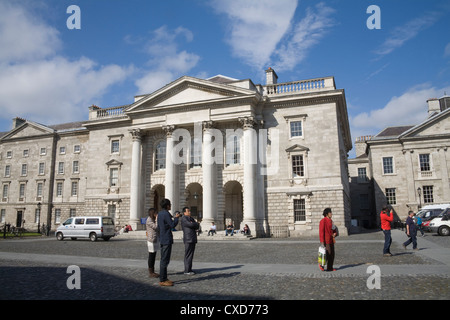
(256,227)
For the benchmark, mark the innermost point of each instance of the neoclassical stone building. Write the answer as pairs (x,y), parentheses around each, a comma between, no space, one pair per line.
(405,167)
(271,156)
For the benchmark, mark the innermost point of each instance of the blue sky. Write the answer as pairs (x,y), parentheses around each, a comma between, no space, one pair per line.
(51,74)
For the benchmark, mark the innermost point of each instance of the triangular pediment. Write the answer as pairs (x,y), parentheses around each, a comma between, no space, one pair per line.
(297,148)
(437,125)
(27,130)
(187,90)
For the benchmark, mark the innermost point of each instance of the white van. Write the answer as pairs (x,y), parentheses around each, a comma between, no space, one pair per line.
(441,224)
(86,227)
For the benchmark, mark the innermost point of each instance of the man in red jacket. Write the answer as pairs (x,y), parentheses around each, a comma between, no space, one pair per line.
(327,235)
(386,219)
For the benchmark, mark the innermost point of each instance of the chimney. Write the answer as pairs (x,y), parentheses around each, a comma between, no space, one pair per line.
(17,122)
(361,145)
(271,76)
(433,106)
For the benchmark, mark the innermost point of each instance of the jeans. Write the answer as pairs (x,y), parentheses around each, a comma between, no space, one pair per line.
(387,241)
(166,251)
(412,239)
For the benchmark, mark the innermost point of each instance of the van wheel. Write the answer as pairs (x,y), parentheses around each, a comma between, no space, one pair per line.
(93,236)
(59,236)
(444,231)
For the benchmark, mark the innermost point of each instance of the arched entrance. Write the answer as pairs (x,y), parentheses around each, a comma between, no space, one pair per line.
(158,193)
(234,212)
(194,199)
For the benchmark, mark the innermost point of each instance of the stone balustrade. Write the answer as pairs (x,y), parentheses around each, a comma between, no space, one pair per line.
(301,86)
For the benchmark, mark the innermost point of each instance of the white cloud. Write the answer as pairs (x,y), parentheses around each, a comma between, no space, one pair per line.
(305,34)
(408,109)
(256,27)
(406,32)
(263,32)
(37,83)
(166,61)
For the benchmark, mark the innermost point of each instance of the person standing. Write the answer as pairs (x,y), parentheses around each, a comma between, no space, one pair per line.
(165,226)
(386,219)
(420,225)
(152,241)
(411,231)
(327,235)
(190,228)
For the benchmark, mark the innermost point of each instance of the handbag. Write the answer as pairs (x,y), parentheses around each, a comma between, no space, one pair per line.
(322,255)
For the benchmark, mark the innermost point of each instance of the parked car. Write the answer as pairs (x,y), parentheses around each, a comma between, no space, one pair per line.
(441,224)
(91,227)
(429,212)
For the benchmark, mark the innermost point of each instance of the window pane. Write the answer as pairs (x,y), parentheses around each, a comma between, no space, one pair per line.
(424,160)
(390,196)
(160,156)
(299,210)
(298,168)
(388,165)
(296,129)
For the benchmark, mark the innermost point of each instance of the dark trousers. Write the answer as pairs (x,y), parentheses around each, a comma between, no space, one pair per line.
(166,251)
(151,260)
(387,241)
(189,249)
(330,256)
(412,239)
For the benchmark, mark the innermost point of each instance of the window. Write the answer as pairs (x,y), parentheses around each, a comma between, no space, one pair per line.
(24,170)
(60,167)
(25,153)
(362,175)
(115,146)
(57,215)
(428,194)
(299,210)
(43,151)
(39,189)
(79,221)
(233,150)
(73,212)
(41,168)
(160,156)
(37,215)
(390,196)
(298,166)
(296,129)
(113,177)
(21,191)
(3,216)
(5,191)
(112,211)
(388,165)
(8,154)
(364,201)
(7,170)
(424,160)
(62,150)
(76,148)
(75,167)
(74,190)
(59,189)
(196,153)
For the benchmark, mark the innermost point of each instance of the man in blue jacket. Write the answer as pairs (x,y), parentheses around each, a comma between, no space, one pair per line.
(165,225)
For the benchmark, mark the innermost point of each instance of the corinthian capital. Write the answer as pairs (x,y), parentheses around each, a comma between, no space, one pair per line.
(169,129)
(136,134)
(247,122)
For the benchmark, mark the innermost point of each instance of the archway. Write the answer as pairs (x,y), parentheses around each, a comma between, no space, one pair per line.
(234,212)
(194,200)
(158,192)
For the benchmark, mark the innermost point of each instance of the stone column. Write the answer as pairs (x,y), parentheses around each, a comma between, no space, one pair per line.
(250,177)
(171,185)
(135,191)
(209,178)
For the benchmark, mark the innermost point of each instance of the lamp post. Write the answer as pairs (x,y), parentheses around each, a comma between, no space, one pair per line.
(419,192)
(39,216)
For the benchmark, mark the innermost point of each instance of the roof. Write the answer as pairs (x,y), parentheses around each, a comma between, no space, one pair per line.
(392,131)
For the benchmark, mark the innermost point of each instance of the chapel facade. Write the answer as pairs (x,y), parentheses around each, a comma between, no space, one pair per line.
(271,156)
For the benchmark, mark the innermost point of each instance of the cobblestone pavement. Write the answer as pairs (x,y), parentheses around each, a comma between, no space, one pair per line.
(261,269)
